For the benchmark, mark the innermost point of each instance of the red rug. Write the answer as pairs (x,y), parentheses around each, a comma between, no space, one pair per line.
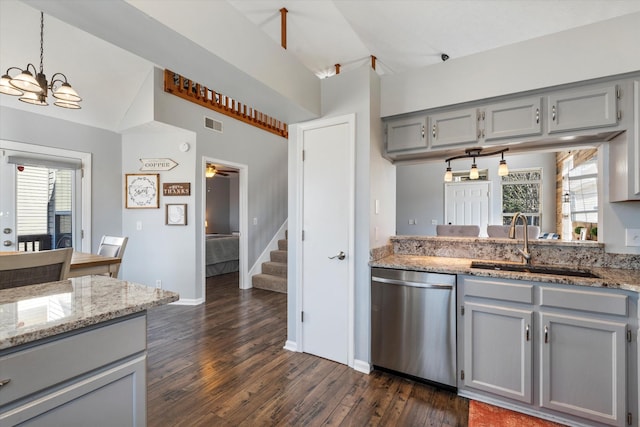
(485,415)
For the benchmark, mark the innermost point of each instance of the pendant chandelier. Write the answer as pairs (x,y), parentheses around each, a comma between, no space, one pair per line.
(503,169)
(33,90)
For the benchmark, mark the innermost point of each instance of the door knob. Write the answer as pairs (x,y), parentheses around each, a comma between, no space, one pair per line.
(7,243)
(340,256)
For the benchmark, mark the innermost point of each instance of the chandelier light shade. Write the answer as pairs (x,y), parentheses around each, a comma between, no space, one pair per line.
(472,153)
(32,86)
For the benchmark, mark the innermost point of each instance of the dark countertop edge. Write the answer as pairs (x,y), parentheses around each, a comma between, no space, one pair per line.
(463,266)
(68,325)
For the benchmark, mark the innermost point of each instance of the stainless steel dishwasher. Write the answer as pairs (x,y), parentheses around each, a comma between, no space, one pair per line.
(413,324)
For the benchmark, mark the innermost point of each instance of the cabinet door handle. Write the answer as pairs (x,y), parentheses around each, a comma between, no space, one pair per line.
(433,131)
(4,382)
(537,115)
(422,131)
(546,334)
(526,332)
(553,113)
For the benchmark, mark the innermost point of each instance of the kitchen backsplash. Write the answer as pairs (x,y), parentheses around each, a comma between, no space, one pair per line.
(576,254)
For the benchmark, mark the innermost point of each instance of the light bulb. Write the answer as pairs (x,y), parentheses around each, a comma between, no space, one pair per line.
(503,169)
(473,173)
(448,175)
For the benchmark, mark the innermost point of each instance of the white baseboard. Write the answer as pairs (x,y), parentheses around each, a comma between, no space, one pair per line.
(188,301)
(265,256)
(362,366)
(291,346)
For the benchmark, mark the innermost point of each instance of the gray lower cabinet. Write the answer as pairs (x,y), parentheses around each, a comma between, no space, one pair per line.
(554,351)
(406,134)
(582,108)
(454,127)
(505,373)
(583,367)
(93,377)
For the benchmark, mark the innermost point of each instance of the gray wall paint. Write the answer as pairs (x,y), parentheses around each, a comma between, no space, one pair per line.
(420,190)
(159,251)
(219,206)
(105,146)
(264,153)
(347,93)
(234,203)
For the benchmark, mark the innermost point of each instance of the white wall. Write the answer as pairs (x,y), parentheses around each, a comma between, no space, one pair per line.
(159,251)
(347,93)
(420,191)
(105,146)
(602,49)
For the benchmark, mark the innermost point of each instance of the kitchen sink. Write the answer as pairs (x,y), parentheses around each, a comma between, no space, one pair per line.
(536,269)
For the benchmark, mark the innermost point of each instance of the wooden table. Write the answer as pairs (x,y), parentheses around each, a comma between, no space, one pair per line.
(83,264)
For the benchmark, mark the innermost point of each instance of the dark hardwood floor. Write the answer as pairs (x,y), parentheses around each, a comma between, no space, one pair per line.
(222,364)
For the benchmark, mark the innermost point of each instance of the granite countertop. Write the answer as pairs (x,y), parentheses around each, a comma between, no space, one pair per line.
(30,313)
(614,278)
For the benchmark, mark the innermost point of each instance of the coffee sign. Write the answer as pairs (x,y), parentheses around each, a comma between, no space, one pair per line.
(157,164)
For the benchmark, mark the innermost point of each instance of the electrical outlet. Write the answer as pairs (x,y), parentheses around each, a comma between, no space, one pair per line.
(255,221)
(632,236)
(159,284)
(412,222)
(434,222)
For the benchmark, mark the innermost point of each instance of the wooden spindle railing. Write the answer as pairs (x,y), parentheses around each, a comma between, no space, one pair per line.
(184,88)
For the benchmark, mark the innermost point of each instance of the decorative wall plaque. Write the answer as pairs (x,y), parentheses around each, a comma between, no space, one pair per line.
(176,189)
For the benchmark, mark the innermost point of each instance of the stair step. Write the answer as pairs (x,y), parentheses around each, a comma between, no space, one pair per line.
(275,268)
(269,283)
(279,256)
(283,245)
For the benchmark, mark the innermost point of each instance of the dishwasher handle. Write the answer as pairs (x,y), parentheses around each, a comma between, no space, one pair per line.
(411,284)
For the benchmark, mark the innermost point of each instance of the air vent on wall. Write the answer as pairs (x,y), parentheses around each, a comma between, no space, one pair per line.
(215,125)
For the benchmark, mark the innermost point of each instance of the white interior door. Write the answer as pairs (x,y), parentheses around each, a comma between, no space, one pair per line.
(327,246)
(467,204)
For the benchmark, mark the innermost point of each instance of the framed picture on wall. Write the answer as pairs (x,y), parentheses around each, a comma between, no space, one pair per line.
(141,190)
(176,214)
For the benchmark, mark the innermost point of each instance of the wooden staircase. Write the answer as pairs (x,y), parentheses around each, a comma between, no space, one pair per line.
(274,272)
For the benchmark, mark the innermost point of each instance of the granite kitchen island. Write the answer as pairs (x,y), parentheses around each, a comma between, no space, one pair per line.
(74,352)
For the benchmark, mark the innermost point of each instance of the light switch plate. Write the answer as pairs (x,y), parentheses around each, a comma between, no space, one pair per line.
(632,236)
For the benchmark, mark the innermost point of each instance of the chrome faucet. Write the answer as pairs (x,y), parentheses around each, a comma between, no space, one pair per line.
(526,255)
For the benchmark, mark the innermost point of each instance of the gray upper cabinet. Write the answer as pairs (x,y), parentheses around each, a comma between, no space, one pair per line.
(582,108)
(406,134)
(513,119)
(454,127)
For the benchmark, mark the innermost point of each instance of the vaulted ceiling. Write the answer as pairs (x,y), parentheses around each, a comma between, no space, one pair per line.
(101,62)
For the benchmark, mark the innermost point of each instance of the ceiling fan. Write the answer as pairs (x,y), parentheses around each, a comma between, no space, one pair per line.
(212,171)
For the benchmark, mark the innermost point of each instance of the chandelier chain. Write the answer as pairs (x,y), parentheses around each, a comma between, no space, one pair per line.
(41,41)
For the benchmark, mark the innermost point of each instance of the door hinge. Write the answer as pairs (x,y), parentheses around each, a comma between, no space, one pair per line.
(618,93)
(303,155)
(462,310)
(82,234)
(81,173)
(628,335)
(619,115)
(302,316)
(302,234)
(462,374)
(629,418)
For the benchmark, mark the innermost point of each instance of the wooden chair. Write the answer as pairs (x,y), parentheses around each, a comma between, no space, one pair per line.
(113,247)
(29,268)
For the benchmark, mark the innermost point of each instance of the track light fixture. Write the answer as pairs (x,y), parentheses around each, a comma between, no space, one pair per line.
(503,169)
(32,86)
